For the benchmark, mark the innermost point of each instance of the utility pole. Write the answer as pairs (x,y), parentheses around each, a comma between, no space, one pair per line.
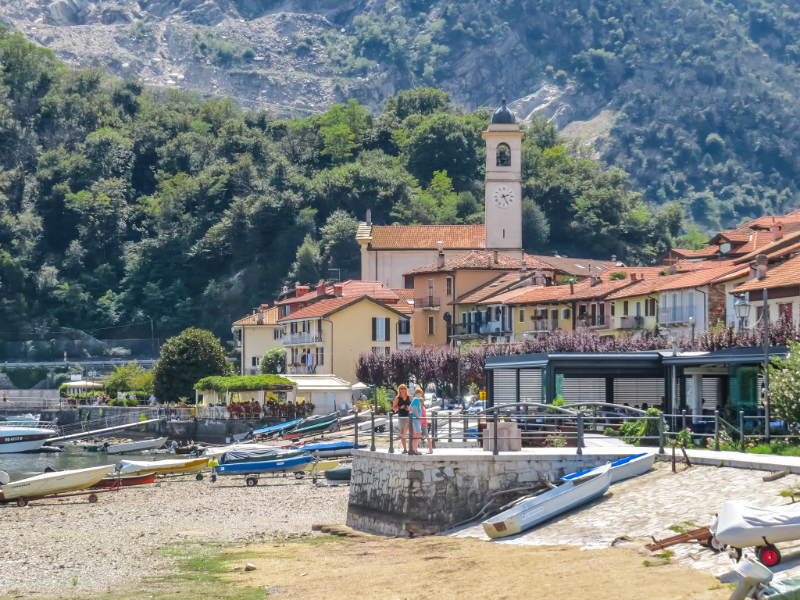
(766,366)
(152,338)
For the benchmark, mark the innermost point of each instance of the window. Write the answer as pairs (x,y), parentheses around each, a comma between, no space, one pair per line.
(652,307)
(294,355)
(320,356)
(638,309)
(380,350)
(256,361)
(691,305)
(521,315)
(613,308)
(381,329)
(503,155)
(625,308)
(430,325)
(582,309)
(449,285)
(286,310)
(565,314)
(293,327)
(430,288)
(404,327)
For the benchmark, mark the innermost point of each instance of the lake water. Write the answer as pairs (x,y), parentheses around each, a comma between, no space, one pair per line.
(20,466)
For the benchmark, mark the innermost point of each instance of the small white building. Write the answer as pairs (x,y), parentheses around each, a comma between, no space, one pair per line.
(327,393)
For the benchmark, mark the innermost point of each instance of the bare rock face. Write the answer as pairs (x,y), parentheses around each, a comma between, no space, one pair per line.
(68,12)
(562,105)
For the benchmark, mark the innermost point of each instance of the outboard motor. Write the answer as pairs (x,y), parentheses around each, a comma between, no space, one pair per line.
(751,575)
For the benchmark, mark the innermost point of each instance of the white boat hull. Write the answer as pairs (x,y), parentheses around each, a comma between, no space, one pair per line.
(634,468)
(741,525)
(162,467)
(57,482)
(23,439)
(548,505)
(137,446)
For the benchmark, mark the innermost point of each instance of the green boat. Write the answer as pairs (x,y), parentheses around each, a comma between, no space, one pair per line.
(342,474)
(313,425)
(92,448)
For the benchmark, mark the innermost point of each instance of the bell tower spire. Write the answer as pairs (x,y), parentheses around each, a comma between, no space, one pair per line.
(503,200)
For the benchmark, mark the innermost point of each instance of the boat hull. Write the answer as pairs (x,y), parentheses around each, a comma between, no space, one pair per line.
(108,482)
(342,474)
(548,505)
(23,439)
(624,468)
(323,465)
(288,465)
(331,449)
(277,456)
(137,446)
(162,467)
(57,482)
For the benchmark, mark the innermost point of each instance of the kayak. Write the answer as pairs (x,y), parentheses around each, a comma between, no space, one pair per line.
(277,429)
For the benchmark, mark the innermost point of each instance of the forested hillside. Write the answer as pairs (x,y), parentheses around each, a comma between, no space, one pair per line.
(119,203)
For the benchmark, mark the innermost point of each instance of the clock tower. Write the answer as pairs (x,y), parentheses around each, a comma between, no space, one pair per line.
(504,183)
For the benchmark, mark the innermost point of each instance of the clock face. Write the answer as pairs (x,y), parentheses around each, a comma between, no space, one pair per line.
(503,196)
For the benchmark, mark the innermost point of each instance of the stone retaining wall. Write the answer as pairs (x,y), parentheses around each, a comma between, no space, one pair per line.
(400,495)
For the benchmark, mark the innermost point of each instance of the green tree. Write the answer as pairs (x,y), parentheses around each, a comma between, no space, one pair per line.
(185,359)
(784,385)
(339,140)
(306,268)
(339,245)
(535,228)
(692,239)
(273,362)
(124,378)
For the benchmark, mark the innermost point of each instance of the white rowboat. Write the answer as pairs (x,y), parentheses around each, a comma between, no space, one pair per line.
(162,467)
(134,446)
(624,468)
(23,439)
(57,482)
(553,502)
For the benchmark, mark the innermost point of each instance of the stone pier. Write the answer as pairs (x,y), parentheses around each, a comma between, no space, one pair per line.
(401,495)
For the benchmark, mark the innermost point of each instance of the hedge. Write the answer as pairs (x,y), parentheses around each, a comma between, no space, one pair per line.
(246,382)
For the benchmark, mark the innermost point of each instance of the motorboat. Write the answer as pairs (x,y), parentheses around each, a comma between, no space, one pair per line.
(624,468)
(313,425)
(29,420)
(742,525)
(23,439)
(554,502)
(289,465)
(162,467)
(135,446)
(124,481)
(326,450)
(257,455)
(55,482)
(218,451)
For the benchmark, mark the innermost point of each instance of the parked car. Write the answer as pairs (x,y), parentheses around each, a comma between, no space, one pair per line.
(477,408)
(430,399)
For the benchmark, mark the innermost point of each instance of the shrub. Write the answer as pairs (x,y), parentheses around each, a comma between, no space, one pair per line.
(24,378)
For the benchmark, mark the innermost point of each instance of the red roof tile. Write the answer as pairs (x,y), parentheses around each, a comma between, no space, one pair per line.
(270,317)
(773,249)
(698,278)
(415,237)
(475,259)
(785,275)
(324,308)
(491,288)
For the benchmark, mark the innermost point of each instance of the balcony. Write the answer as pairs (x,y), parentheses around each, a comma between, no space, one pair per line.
(303,370)
(584,321)
(679,313)
(431,302)
(302,338)
(494,327)
(463,330)
(403,341)
(631,322)
(538,326)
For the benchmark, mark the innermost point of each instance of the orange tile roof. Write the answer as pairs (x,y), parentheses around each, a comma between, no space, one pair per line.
(758,239)
(321,291)
(578,266)
(406,303)
(324,308)
(687,266)
(639,272)
(270,318)
(475,259)
(350,288)
(491,288)
(774,249)
(710,251)
(787,274)
(698,278)
(769,221)
(598,291)
(530,295)
(416,237)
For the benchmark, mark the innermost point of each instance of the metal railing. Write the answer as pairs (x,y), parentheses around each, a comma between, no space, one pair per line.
(87,423)
(303,370)
(17,404)
(631,322)
(305,337)
(591,321)
(677,313)
(427,302)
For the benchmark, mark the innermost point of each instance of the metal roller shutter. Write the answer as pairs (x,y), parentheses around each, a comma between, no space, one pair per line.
(530,385)
(505,386)
(710,393)
(635,392)
(586,389)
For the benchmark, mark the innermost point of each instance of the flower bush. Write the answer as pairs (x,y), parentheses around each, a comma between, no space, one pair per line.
(784,385)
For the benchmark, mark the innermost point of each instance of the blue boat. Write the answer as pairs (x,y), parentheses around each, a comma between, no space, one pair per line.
(289,465)
(624,468)
(330,448)
(277,429)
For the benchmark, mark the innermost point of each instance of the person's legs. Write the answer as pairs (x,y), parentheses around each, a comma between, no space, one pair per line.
(416,434)
(430,441)
(404,432)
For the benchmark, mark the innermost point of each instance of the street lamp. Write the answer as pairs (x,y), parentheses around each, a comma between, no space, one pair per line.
(742,309)
(692,323)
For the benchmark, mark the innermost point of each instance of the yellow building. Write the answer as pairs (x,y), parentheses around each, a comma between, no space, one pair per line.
(255,334)
(636,307)
(328,336)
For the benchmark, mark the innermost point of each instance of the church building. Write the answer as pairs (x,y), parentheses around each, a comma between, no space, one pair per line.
(389,251)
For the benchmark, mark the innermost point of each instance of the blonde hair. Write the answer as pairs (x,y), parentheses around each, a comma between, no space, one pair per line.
(419,390)
(402,386)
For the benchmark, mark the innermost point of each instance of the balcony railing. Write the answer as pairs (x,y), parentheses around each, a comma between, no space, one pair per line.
(427,302)
(463,329)
(494,327)
(631,322)
(591,321)
(303,370)
(307,337)
(679,313)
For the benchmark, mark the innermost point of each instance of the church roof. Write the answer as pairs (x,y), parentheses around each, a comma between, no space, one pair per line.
(422,237)
(504,115)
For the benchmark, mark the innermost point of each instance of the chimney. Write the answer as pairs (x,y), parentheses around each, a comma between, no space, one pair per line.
(593,281)
(495,257)
(633,276)
(337,289)
(300,290)
(761,266)
(369,218)
(260,319)
(523,270)
(777,231)
(672,270)
(614,258)
(571,288)
(538,278)
(440,260)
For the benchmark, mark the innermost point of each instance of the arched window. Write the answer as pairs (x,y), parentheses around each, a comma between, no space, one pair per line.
(503,155)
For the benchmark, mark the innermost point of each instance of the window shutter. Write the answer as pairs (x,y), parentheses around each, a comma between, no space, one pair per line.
(374,329)
(387,329)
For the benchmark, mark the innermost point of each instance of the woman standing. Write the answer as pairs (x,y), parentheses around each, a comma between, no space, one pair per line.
(400,405)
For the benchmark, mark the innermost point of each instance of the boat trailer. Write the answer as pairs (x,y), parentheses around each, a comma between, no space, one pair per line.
(700,536)
(23,501)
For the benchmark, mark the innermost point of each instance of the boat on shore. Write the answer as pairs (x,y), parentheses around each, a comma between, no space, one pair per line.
(277,430)
(258,455)
(552,503)
(340,474)
(135,446)
(55,482)
(313,425)
(217,451)
(289,465)
(323,465)
(161,467)
(22,439)
(624,468)
(124,481)
(329,449)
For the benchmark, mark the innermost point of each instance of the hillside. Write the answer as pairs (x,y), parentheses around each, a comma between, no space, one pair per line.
(694,99)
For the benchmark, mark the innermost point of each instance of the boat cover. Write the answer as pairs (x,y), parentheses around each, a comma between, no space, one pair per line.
(278,427)
(251,455)
(742,525)
(328,446)
(786,589)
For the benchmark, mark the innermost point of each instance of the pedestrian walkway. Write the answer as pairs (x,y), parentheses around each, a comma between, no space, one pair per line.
(741,460)
(596,440)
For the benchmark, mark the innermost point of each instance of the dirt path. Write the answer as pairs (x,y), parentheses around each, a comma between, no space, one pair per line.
(440,568)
